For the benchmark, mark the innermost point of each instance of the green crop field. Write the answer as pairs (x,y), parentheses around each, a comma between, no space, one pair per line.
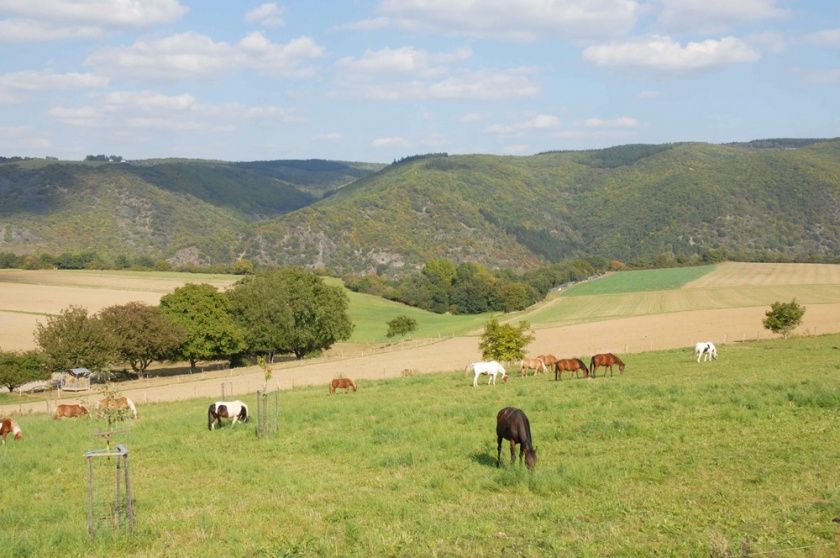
(640,280)
(674,458)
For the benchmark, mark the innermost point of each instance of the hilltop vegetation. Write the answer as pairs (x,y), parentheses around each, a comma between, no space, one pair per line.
(768,200)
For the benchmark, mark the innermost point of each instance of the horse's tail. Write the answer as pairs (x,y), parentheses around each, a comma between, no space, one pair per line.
(592,365)
(467,368)
(243,413)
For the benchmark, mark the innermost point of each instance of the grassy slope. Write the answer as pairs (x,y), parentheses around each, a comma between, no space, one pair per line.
(673,458)
(640,280)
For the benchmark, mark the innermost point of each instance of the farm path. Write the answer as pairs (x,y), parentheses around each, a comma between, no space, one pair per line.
(627,335)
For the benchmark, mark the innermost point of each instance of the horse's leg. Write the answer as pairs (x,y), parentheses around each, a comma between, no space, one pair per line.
(521,452)
(475,380)
(499,453)
(512,452)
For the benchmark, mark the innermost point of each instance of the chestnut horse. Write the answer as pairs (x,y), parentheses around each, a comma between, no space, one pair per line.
(606,360)
(535,364)
(573,365)
(69,411)
(339,383)
(8,426)
(513,425)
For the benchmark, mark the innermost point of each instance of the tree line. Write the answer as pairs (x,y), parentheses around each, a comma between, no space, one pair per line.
(288,311)
(471,288)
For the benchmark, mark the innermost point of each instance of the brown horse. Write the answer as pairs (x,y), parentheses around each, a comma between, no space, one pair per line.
(513,425)
(8,426)
(548,360)
(606,360)
(534,364)
(573,365)
(345,383)
(69,411)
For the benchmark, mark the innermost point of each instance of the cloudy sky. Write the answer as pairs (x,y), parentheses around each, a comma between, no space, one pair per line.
(374,80)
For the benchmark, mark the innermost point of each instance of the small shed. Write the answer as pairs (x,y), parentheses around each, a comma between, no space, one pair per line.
(76,379)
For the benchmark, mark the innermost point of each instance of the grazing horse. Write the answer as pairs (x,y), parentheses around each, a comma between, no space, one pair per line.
(234,410)
(513,425)
(69,411)
(8,426)
(548,360)
(573,365)
(535,364)
(605,360)
(339,383)
(119,403)
(705,350)
(491,368)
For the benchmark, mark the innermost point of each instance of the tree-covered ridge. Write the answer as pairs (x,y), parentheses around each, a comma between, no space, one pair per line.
(655,204)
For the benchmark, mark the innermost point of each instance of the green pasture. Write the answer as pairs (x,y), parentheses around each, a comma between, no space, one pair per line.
(640,280)
(674,458)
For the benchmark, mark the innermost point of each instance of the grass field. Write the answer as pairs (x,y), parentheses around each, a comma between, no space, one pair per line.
(673,458)
(640,280)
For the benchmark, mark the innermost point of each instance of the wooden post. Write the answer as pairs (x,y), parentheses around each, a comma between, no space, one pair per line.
(129,503)
(90,498)
(117,495)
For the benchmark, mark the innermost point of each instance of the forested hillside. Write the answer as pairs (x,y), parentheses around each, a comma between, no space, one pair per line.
(763,200)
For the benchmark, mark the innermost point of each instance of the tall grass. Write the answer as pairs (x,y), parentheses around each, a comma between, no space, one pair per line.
(670,459)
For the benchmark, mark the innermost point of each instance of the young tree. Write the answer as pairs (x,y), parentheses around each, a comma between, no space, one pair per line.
(401,325)
(204,313)
(504,342)
(784,317)
(142,334)
(72,339)
(290,311)
(18,368)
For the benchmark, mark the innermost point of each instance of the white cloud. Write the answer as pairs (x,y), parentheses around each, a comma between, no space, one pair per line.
(537,122)
(716,15)
(389,142)
(148,109)
(649,94)
(664,54)
(29,30)
(620,122)
(120,13)
(484,85)
(195,55)
(15,86)
(826,37)
(329,136)
(406,60)
(515,19)
(371,24)
(473,117)
(269,14)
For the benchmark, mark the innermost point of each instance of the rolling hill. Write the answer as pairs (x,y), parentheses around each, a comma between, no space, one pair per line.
(762,200)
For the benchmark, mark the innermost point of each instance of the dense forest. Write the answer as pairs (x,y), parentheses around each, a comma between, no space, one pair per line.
(766,200)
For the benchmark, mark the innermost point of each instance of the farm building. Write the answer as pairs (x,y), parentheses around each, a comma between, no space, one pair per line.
(75,379)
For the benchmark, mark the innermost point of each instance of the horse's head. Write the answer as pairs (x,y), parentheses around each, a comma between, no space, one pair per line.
(621,368)
(530,458)
(505,377)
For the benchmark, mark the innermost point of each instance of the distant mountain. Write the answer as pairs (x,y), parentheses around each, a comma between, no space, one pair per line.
(767,199)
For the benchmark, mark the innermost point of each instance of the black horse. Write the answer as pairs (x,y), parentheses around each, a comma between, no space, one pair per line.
(513,425)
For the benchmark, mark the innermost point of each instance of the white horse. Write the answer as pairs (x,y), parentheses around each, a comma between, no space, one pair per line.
(233,410)
(705,349)
(491,368)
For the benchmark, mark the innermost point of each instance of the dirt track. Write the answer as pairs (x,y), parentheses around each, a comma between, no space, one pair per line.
(628,335)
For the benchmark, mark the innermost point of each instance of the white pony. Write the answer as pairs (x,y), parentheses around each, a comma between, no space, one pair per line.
(705,349)
(491,368)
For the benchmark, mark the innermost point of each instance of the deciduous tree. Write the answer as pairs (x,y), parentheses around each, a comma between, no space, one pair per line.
(504,342)
(73,339)
(18,368)
(401,325)
(784,317)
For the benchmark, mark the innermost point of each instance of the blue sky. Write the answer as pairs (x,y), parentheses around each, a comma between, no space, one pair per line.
(381,79)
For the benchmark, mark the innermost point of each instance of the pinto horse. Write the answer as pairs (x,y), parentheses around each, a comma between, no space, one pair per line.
(69,411)
(606,360)
(512,424)
(573,365)
(8,426)
(339,383)
(705,350)
(233,410)
(491,368)
(535,364)
(119,403)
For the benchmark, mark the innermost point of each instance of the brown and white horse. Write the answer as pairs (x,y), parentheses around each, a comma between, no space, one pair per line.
(8,426)
(69,411)
(233,410)
(339,383)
